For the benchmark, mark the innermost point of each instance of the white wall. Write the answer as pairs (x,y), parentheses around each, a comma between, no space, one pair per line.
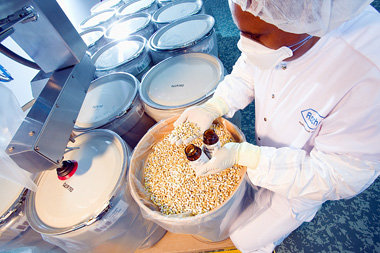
(22,75)
(76,11)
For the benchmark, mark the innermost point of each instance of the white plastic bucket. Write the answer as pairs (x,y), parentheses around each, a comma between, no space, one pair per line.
(112,102)
(134,24)
(106,5)
(12,198)
(215,225)
(103,18)
(179,82)
(175,11)
(128,55)
(93,206)
(135,6)
(94,39)
(15,231)
(191,34)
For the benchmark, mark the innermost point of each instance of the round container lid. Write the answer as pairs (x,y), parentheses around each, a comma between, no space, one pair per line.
(104,5)
(135,6)
(119,52)
(107,97)
(97,19)
(91,36)
(101,161)
(181,81)
(128,25)
(9,193)
(177,10)
(182,33)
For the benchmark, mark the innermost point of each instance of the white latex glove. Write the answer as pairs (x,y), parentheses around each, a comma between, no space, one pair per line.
(232,153)
(201,115)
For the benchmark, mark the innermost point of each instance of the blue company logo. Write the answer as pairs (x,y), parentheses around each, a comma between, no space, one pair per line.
(311,118)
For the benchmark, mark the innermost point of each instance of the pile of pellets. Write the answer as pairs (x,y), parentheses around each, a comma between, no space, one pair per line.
(173,184)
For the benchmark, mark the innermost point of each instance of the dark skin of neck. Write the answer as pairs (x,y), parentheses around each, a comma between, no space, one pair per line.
(267,34)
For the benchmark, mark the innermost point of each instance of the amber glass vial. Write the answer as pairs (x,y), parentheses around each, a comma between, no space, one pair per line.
(195,155)
(211,142)
(210,137)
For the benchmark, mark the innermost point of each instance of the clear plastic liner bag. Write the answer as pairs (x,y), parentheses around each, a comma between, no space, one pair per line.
(215,225)
(11,118)
(122,228)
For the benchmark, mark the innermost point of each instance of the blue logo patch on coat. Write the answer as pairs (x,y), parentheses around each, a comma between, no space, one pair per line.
(312,118)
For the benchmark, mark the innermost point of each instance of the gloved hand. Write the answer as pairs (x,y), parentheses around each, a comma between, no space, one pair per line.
(201,115)
(244,154)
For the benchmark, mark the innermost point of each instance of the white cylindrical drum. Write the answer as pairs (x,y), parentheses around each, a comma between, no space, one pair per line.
(214,225)
(134,24)
(162,3)
(192,34)
(103,18)
(93,207)
(15,231)
(106,5)
(175,11)
(112,102)
(179,82)
(129,55)
(135,6)
(94,39)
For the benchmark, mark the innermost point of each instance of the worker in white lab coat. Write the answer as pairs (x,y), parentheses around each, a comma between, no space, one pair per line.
(313,70)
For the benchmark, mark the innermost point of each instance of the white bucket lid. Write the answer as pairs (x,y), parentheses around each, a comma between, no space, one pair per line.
(97,19)
(104,5)
(177,10)
(107,97)
(9,193)
(128,25)
(182,33)
(135,6)
(92,35)
(118,52)
(181,81)
(102,165)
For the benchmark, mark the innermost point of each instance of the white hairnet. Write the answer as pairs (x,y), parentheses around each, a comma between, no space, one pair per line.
(315,17)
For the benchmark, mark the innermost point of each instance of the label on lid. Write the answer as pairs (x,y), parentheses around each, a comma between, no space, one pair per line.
(101,163)
(178,11)
(181,80)
(119,53)
(104,101)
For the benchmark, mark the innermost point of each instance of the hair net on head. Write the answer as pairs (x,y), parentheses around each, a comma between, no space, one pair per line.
(315,17)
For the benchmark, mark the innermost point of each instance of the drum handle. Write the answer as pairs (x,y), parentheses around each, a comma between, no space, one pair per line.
(68,149)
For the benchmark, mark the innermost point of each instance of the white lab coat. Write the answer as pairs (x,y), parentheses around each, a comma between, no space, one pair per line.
(318,125)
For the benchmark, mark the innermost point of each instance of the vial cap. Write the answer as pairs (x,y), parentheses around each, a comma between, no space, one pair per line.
(210,137)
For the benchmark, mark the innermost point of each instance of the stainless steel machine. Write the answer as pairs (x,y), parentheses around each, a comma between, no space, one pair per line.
(44,32)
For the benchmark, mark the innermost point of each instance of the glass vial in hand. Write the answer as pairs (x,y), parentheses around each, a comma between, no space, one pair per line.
(211,142)
(195,155)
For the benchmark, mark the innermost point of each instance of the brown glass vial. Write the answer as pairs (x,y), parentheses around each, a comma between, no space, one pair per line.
(211,142)
(195,155)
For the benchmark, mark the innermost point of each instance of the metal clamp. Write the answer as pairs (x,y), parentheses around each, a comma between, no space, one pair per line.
(24,15)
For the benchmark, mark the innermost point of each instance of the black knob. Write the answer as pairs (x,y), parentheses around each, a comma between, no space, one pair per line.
(67,170)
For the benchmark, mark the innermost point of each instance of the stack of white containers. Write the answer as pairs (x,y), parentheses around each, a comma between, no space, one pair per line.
(153,59)
(138,36)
